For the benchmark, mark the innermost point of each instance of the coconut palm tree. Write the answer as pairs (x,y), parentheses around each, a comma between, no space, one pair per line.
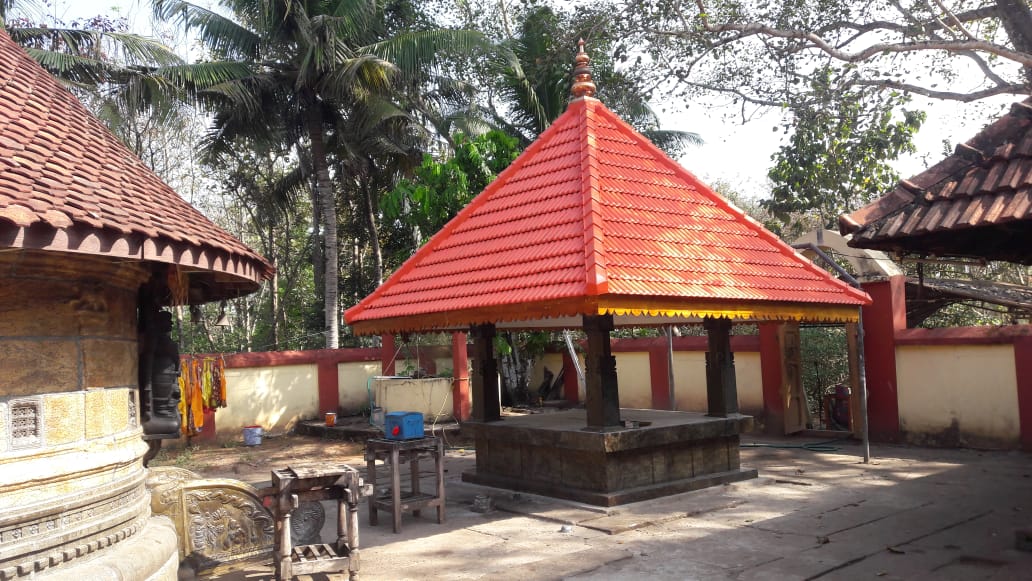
(310,64)
(537,90)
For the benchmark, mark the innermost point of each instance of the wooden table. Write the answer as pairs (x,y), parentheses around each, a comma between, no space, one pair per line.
(291,486)
(394,453)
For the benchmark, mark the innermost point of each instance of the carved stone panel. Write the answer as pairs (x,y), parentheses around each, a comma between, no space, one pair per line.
(26,419)
(217,520)
(226,525)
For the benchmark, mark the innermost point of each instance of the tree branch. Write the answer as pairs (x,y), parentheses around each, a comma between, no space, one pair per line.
(1008,89)
(814,41)
(956,21)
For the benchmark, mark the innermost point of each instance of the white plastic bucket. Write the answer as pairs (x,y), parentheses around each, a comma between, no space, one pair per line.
(253,436)
(377,417)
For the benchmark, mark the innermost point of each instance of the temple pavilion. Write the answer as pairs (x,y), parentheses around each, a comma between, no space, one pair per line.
(593,227)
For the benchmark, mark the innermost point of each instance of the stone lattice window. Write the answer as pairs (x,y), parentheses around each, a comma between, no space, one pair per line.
(26,423)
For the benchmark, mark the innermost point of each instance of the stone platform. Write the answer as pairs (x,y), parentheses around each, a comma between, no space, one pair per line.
(554,455)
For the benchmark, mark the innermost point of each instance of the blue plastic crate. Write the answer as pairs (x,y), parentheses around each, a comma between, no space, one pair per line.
(403,425)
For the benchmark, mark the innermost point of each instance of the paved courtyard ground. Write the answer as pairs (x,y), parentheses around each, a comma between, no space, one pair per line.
(910,514)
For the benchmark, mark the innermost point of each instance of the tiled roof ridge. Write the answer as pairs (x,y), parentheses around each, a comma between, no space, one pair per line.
(43,166)
(476,203)
(723,203)
(596,275)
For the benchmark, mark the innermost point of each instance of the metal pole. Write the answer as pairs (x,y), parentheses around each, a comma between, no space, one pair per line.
(576,363)
(865,438)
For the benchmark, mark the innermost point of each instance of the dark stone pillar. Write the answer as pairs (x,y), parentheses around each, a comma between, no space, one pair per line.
(486,407)
(721,389)
(603,398)
(158,364)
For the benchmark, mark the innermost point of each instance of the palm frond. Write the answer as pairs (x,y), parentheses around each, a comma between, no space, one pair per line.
(78,70)
(204,76)
(358,77)
(353,18)
(225,37)
(415,52)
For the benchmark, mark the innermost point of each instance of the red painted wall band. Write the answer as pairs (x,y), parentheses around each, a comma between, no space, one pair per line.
(1023,371)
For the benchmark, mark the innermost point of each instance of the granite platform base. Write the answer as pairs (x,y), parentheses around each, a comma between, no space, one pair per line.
(554,455)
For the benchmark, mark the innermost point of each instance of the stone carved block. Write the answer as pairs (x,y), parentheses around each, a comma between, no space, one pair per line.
(26,417)
(116,418)
(217,520)
(41,538)
(226,524)
(65,418)
(90,306)
(21,371)
(109,362)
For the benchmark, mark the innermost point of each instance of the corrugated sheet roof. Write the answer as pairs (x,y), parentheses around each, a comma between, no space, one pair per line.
(592,218)
(976,202)
(68,184)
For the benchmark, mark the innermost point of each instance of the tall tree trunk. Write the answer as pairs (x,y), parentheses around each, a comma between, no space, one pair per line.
(317,240)
(274,289)
(374,233)
(328,209)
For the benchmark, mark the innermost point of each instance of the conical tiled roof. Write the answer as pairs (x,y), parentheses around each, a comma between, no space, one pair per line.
(591,219)
(67,184)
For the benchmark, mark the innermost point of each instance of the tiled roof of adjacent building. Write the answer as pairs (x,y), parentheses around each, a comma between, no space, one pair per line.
(975,203)
(592,219)
(68,184)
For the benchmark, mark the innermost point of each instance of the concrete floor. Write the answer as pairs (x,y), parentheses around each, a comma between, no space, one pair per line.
(909,514)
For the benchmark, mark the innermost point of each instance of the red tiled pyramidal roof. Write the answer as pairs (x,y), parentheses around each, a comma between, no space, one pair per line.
(591,219)
(974,203)
(67,184)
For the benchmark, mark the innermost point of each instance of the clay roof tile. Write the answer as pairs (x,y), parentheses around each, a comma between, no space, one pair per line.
(593,218)
(972,200)
(59,164)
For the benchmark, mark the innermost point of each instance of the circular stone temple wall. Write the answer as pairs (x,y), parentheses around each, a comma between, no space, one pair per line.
(73,504)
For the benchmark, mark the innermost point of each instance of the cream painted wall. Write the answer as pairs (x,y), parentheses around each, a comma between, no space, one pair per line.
(352,384)
(690,380)
(432,396)
(272,397)
(749,378)
(974,386)
(634,380)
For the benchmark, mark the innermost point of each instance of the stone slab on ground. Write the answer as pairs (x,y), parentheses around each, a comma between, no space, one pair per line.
(910,514)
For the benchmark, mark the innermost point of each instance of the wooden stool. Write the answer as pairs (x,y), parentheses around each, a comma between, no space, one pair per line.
(394,452)
(293,485)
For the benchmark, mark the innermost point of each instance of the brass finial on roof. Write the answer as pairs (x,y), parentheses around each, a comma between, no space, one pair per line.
(583,86)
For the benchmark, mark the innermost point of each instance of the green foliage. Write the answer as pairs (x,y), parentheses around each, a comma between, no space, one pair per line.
(824,362)
(437,190)
(517,353)
(837,158)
